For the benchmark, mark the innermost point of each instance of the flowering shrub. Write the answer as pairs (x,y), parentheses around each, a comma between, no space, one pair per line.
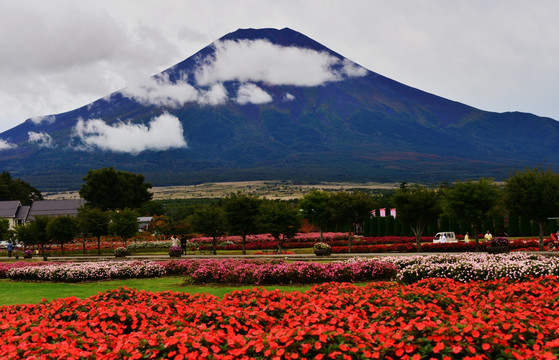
(75,272)
(175,251)
(211,270)
(498,241)
(5,267)
(474,266)
(28,254)
(143,245)
(121,252)
(260,272)
(321,246)
(435,318)
(274,253)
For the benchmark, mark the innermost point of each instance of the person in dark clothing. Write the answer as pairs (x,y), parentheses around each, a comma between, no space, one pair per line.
(183,244)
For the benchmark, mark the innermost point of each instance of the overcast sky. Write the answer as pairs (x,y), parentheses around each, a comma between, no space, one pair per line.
(499,55)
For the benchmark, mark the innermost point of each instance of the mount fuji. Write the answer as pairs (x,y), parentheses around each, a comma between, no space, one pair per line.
(262,104)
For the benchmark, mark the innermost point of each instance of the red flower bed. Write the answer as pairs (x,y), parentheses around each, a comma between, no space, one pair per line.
(516,245)
(434,318)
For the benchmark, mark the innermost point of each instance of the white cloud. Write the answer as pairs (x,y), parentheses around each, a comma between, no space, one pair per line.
(217,94)
(44,119)
(351,69)
(163,132)
(262,61)
(42,139)
(4,145)
(288,97)
(250,93)
(160,91)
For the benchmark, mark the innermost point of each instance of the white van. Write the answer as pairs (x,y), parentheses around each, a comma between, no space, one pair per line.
(447,236)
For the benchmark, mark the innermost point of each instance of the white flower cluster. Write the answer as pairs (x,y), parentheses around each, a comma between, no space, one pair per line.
(140,245)
(76,272)
(474,266)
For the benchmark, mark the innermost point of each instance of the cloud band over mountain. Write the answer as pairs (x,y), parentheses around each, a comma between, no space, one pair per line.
(247,62)
(162,133)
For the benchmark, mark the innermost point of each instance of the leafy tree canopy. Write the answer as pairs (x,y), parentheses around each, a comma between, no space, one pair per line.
(533,194)
(348,209)
(124,224)
(110,189)
(417,206)
(241,214)
(314,206)
(281,219)
(62,229)
(210,221)
(95,222)
(4,227)
(17,189)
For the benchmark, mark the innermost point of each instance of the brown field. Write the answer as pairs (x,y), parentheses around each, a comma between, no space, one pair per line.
(268,189)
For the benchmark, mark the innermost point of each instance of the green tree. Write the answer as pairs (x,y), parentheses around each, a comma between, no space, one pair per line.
(151,208)
(23,234)
(95,222)
(314,206)
(210,221)
(124,224)
(241,214)
(473,201)
(110,189)
(281,219)
(17,189)
(349,209)
(534,195)
(38,233)
(62,229)
(4,227)
(417,207)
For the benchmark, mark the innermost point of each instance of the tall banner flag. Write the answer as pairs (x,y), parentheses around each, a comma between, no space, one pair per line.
(382,212)
(393,212)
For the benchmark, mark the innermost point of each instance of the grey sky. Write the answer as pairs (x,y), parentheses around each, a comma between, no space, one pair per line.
(494,55)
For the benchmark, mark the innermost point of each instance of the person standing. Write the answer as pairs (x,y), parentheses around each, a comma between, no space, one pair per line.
(488,236)
(10,249)
(467,237)
(183,244)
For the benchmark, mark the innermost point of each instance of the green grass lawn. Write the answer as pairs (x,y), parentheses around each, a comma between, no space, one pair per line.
(18,292)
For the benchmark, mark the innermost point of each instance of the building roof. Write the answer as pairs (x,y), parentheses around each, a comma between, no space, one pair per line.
(55,207)
(22,212)
(8,209)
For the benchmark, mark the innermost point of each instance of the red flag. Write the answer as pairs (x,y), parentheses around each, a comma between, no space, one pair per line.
(373,213)
(382,212)
(393,212)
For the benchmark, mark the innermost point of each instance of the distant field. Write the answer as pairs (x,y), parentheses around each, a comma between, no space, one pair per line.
(269,189)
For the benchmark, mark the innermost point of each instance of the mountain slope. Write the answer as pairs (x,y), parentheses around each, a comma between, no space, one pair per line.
(275,104)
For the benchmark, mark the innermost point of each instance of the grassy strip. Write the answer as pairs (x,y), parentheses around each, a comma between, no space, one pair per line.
(14,292)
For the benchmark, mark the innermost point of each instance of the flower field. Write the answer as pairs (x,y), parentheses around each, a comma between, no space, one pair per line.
(474,266)
(90,271)
(338,242)
(432,318)
(265,272)
(407,269)
(229,271)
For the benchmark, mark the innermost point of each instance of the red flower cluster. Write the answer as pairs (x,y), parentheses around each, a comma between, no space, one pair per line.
(434,318)
(407,246)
